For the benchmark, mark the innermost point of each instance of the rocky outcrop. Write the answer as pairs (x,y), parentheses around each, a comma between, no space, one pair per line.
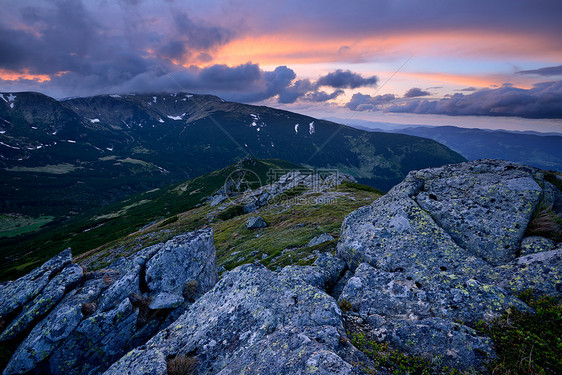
(416,269)
(253,321)
(441,251)
(80,324)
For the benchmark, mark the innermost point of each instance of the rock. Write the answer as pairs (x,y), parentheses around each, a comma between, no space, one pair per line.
(323,274)
(255,223)
(400,296)
(535,244)
(83,325)
(15,294)
(166,301)
(57,326)
(96,342)
(485,206)
(541,272)
(190,256)
(459,346)
(253,320)
(334,266)
(439,251)
(49,297)
(325,237)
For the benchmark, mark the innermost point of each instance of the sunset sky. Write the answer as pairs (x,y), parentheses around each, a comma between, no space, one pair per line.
(492,63)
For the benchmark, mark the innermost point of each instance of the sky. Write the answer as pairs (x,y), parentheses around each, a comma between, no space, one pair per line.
(476,63)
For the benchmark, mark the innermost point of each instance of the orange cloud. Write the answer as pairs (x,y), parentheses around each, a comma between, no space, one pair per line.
(305,48)
(8,75)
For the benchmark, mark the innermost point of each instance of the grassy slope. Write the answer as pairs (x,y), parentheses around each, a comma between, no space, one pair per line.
(108,224)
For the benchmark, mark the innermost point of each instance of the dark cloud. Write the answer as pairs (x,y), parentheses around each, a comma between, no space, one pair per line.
(345,79)
(544,100)
(549,71)
(322,96)
(468,89)
(415,92)
(361,102)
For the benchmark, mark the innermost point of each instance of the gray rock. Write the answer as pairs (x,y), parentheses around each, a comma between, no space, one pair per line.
(253,320)
(16,293)
(325,237)
(399,296)
(166,301)
(423,256)
(56,327)
(96,342)
(457,345)
(48,298)
(129,282)
(535,244)
(255,223)
(334,266)
(485,206)
(541,272)
(187,257)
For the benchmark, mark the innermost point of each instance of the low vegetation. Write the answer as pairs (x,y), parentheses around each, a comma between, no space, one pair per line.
(395,362)
(182,365)
(528,343)
(545,223)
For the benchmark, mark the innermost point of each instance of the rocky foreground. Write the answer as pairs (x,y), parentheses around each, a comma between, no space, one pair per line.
(417,268)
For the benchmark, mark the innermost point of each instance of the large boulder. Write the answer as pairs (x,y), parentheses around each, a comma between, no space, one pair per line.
(14,294)
(441,251)
(80,324)
(252,321)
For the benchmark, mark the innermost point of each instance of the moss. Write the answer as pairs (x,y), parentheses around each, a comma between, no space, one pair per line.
(527,343)
(230,212)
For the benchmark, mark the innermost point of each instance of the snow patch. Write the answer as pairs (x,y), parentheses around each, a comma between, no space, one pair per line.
(177,118)
(311,128)
(34,127)
(94,120)
(109,148)
(2,131)
(2,96)
(297,129)
(154,99)
(115,96)
(70,141)
(160,120)
(272,144)
(254,123)
(14,147)
(258,129)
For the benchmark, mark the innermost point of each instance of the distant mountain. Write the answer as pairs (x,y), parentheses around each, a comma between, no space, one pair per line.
(59,157)
(542,151)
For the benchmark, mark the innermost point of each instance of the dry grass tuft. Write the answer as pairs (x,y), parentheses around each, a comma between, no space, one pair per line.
(189,289)
(545,223)
(182,365)
(89,308)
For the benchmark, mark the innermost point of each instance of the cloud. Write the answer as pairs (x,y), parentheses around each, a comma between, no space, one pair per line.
(468,89)
(415,92)
(362,102)
(345,79)
(549,71)
(544,100)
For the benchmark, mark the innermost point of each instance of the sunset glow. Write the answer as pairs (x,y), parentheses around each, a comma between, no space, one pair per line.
(259,52)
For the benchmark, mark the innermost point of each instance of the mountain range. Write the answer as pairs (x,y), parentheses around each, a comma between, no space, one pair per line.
(59,158)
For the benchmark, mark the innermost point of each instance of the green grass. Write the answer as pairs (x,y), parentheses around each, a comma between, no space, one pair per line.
(528,343)
(110,225)
(14,225)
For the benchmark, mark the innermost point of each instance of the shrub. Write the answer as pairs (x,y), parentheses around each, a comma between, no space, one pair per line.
(230,212)
(182,365)
(189,289)
(89,308)
(169,220)
(345,305)
(528,343)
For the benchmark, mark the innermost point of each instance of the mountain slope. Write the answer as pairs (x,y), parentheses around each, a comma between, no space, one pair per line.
(59,158)
(542,151)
